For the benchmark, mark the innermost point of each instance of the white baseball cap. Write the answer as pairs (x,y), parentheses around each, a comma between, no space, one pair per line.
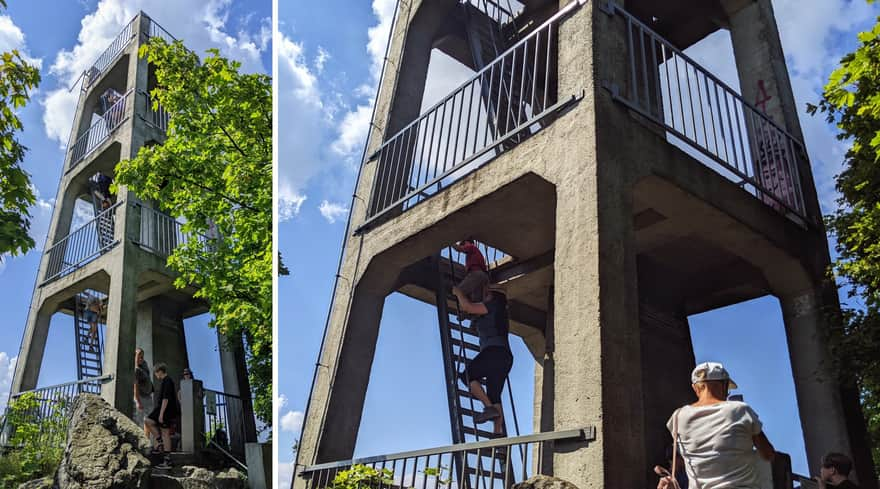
(714,371)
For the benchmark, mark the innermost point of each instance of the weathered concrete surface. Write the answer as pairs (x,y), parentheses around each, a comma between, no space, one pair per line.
(544,482)
(105,449)
(188,477)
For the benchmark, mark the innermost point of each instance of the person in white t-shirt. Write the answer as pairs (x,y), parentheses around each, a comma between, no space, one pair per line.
(717,438)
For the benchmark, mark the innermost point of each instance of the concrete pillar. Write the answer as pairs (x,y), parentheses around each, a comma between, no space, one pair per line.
(33,345)
(818,392)
(544,403)
(242,427)
(168,338)
(192,416)
(334,416)
(144,331)
(258,457)
(764,80)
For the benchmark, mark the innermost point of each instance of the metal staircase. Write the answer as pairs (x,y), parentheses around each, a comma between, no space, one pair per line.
(89,353)
(510,94)
(460,344)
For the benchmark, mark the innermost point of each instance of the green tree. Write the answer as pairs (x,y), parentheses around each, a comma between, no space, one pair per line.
(851,101)
(37,442)
(215,167)
(17,80)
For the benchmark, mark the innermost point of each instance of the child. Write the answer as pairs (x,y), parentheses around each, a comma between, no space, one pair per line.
(476,274)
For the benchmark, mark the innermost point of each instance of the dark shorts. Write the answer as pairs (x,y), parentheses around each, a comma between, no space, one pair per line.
(154,415)
(492,364)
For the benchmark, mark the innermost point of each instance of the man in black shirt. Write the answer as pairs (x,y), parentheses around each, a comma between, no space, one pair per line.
(834,473)
(495,360)
(165,410)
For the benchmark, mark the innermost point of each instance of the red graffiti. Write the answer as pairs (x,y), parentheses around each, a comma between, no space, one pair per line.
(762,98)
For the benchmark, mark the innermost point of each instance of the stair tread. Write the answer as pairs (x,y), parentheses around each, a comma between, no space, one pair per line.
(481,433)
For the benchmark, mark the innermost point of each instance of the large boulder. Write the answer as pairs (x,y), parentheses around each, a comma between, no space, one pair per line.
(544,482)
(188,477)
(105,449)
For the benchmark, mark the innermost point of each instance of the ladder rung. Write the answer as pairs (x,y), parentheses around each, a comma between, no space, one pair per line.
(466,329)
(467,412)
(460,359)
(480,433)
(464,393)
(469,346)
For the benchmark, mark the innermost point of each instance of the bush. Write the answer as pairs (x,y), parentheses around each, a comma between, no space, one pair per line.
(36,444)
(360,477)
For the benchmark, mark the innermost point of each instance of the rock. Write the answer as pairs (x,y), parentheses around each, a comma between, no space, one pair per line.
(105,449)
(44,483)
(188,477)
(544,482)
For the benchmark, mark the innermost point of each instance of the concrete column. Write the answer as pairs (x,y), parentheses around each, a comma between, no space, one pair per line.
(242,427)
(544,403)
(764,80)
(332,423)
(258,457)
(192,416)
(169,338)
(818,392)
(30,358)
(144,331)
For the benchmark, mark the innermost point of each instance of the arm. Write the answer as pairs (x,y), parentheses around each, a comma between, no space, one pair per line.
(137,398)
(467,306)
(162,410)
(765,449)
(457,247)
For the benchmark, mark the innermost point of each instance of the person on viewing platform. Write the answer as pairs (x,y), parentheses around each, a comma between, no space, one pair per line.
(717,438)
(476,273)
(495,360)
(835,472)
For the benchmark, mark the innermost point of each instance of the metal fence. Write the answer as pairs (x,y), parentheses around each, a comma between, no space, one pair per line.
(100,130)
(156,30)
(109,55)
(51,409)
(83,245)
(501,11)
(161,233)
(741,142)
(225,421)
(455,466)
(156,115)
(496,108)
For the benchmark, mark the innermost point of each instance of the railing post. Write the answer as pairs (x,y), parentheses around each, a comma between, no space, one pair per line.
(192,416)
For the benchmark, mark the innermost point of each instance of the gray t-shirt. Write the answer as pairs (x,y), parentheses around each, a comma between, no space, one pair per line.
(142,377)
(716,444)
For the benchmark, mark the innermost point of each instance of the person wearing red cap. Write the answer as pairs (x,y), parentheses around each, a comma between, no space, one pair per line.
(476,273)
(716,437)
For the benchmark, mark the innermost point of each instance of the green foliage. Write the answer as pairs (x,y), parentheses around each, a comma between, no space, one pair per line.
(216,166)
(36,445)
(851,101)
(362,476)
(18,80)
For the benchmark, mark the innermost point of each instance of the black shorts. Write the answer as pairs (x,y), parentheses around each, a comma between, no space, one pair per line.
(492,364)
(154,415)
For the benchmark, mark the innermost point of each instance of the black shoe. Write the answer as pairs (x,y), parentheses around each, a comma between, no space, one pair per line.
(488,414)
(166,463)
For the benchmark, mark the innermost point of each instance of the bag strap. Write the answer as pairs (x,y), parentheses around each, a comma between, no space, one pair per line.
(675,448)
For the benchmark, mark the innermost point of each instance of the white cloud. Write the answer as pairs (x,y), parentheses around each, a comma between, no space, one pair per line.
(353,132)
(200,24)
(285,474)
(292,422)
(41,217)
(321,59)
(7,369)
(280,402)
(11,37)
(289,203)
(332,210)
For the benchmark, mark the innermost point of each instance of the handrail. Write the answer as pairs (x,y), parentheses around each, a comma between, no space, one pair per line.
(156,30)
(157,117)
(100,131)
(92,380)
(582,434)
(500,104)
(696,107)
(161,233)
(105,59)
(86,242)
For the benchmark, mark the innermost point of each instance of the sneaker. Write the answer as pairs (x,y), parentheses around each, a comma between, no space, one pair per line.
(488,414)
(166,463)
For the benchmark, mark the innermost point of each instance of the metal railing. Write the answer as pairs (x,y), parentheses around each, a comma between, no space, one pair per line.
(501,11)
(156,30)
(100,131)
(83,245)
(52,409)
(109,55)
(455,466)
(224,421)
(162,234)
(499,106)
(695,107)
(156,115)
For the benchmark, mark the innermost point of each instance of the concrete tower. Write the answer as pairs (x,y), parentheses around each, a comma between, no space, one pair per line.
(108,269)
(627,188)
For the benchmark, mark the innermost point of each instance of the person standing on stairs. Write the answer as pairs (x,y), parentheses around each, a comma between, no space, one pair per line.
(495,360)
(476,273)
(165,410)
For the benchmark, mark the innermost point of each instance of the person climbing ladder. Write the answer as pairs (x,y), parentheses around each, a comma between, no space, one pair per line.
(93,314)
(494,360)
(476,274)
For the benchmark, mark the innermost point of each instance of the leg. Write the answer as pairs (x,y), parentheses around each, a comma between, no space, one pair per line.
(152,428)
(503,361)
(476,389)
(166,439)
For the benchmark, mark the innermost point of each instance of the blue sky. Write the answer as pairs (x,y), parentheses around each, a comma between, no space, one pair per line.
(329,55)
(64,44)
